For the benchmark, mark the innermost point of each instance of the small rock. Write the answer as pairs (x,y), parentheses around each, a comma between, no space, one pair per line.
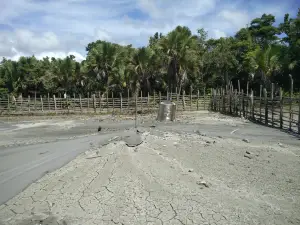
(248,156)
(281,145)
(203,183)
(208,142)
(247,152)
(160,153)
(289,181)
(175,143)
(200,133)
(99,128)
(135,150)
(246,140)
(191,170)
(220,137)
(164,146)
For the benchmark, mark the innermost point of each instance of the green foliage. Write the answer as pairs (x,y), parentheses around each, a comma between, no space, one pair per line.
(176,60)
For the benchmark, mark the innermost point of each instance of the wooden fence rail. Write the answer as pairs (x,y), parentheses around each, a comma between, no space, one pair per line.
(270,110)
(100,103)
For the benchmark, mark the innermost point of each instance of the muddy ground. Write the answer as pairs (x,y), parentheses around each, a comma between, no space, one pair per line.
(202,169)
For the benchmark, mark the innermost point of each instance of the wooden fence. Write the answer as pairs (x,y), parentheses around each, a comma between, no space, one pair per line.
(275,111)
(101,103)
(267,108)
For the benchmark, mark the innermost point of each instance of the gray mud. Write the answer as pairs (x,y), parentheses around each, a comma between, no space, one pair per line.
(202,169)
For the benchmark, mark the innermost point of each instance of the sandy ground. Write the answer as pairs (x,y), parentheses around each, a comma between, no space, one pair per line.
(203,169)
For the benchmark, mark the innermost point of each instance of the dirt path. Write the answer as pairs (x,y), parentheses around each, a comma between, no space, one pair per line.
(178,175)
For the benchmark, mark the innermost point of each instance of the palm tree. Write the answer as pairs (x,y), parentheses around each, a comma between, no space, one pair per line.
(181,49)
(142,65)
(104,60)
(265,62)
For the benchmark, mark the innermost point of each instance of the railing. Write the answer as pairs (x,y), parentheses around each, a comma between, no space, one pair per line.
(280,112)
(105,103)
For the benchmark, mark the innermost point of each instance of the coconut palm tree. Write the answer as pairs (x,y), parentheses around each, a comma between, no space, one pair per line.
(104,60)
(264,62)
(180,47)
(142,67)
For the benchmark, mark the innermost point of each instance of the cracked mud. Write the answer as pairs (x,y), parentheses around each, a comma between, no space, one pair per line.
(172,177)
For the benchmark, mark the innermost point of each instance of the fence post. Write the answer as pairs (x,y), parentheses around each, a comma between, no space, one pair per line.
(234,102)
(252,104)
(21,102)
(107,100)
(204,97)
(291,102)
(28,103)
(191,98)
(42,104)
(272,104)
(68,108)
(299,116)
(183,99)
(48,100)
(239,87)
(219,100)
(198,101)
(80,103)
(211,99)
(8,104)
(128,96)
(94,103)
(247,88)
(177,97)
(136,96)
(159,98)
(154,100)
(121,103)
(148,101)
(266,106)
(99,95)
(230,100)
(141,101)
(54,99)
(223,99)
(88,101)
(113,101)
(260,95)
(243,103)
(74,100)
(35,101)
(281,109)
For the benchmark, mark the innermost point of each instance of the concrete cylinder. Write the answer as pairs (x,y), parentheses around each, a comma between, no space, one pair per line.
(166,111)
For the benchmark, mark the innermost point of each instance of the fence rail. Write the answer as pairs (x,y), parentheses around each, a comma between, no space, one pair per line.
(105,103)
(275,111)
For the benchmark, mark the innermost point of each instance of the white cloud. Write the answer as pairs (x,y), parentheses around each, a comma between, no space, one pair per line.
(60,27)
(236,19)
(216,33)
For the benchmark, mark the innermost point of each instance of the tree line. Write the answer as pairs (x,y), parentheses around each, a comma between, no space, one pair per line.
(260,54)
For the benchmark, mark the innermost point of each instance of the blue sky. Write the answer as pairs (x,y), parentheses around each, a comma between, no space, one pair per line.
(61,27)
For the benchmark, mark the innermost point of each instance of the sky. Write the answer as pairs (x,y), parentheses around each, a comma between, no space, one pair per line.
(57,28)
